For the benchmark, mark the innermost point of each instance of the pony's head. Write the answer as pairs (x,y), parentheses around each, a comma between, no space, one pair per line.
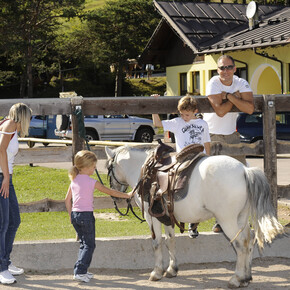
(124,165)
(115,167)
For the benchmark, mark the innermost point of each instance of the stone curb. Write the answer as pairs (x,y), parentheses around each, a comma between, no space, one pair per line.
(132,252)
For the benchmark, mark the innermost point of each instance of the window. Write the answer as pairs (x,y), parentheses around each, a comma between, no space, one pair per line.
(183,84)
(195,82)
(213,73)
(255,118)
(241,72)
(283,118)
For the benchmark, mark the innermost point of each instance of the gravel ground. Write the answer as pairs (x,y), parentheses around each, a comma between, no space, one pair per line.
(268,274)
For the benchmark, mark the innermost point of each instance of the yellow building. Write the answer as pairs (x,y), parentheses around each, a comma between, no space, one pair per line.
(191,37)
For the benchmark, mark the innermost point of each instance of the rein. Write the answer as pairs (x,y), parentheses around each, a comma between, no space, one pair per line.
(124,187)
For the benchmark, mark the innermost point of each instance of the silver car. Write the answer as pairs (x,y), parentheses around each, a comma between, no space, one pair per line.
(112,128)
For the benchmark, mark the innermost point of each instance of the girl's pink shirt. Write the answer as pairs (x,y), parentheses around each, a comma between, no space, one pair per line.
(82,188)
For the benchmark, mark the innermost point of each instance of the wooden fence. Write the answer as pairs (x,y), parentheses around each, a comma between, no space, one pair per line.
(268,104)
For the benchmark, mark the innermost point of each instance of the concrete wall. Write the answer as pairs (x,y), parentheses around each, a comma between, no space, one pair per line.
(132,252)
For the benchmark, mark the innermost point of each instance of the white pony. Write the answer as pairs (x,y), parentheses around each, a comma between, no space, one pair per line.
(220,187)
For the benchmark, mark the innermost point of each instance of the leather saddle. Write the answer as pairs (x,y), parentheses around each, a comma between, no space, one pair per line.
(165,179)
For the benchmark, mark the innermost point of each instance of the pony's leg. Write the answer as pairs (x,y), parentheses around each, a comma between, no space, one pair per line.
(170,244)
(249,256)
(156,229)
(243,245)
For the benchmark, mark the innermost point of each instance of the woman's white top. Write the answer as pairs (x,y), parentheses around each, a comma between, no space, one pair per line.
(12,149)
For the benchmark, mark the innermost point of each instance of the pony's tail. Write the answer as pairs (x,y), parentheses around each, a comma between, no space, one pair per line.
(264,222)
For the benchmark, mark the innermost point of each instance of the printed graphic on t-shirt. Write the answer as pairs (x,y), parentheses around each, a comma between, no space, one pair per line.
(192,134)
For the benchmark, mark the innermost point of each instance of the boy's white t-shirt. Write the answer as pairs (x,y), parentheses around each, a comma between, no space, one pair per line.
(193,132)
(225,125)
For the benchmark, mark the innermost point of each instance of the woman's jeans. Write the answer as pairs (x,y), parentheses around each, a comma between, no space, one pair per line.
(9,223)
(84,224)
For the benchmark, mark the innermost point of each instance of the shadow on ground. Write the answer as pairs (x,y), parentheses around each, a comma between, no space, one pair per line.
(268,273)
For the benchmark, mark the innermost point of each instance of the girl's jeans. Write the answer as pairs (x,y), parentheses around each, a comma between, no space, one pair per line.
(9,223)
(84,224)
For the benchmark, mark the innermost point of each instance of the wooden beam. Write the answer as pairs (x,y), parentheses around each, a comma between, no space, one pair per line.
(283,147)
(44,155)
(54,106)
(270,149)
(126,105)
(147,105)
(64,154)
(78,142)
(254,149)
(47,205)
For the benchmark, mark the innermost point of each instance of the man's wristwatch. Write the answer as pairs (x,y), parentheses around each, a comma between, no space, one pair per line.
(227,96)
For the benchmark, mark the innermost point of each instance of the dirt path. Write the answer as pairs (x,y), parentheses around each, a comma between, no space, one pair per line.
(268,274)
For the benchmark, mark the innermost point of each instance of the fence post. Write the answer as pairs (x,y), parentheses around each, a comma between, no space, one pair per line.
(270,144)
(77,142)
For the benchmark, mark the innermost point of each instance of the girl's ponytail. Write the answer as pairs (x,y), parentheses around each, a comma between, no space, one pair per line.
(73,172)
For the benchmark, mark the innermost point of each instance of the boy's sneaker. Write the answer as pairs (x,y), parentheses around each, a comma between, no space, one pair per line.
(193,233)
(81,278)
(90,275)
(6,277)
(15,270)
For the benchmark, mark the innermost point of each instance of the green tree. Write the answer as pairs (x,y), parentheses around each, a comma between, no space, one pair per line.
(27,30)
(119,31)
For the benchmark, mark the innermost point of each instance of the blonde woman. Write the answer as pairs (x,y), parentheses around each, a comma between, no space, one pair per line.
(79,202)
(17,121)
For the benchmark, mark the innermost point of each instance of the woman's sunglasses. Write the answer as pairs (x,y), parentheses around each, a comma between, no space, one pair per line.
(226,67)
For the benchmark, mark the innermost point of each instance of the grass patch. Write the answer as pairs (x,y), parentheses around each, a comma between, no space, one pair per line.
(36,183)
(56,225)
(144,87)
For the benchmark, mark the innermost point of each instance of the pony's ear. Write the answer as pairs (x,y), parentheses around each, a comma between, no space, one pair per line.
(110,153)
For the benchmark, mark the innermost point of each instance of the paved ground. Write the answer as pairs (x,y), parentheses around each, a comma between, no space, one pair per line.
(268,274)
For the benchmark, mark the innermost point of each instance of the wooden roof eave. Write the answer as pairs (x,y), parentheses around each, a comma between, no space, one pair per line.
(176,29)
(244,47)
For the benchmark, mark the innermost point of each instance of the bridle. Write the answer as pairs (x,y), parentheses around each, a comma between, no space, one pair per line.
(112,175)
(124,186)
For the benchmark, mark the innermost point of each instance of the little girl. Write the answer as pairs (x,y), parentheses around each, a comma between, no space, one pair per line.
(79,203)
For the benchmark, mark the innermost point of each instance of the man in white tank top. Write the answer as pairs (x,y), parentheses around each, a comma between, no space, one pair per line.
(224,92)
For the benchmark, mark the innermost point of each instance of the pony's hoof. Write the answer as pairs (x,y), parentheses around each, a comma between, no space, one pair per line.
(155,276)
(234,283)
(244,284)
(171,272)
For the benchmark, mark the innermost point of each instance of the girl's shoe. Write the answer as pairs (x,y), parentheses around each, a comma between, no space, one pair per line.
(90,275)
(81,278)
(6,277)
(15,270)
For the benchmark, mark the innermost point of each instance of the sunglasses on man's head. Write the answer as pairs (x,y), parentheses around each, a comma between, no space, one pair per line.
(226,67)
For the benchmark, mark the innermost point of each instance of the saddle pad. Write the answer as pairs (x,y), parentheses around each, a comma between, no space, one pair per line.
(189,152)
(181,184)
